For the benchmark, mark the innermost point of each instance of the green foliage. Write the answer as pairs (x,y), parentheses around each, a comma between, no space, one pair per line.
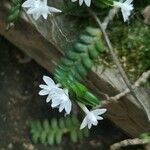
(133,46)
(74,9)
(79,59)
(103,3)
(51,132)
(76,63)
(71,8)
(14,12)
(145,136)
(141,4)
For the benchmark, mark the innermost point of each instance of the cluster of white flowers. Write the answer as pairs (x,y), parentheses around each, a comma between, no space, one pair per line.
(39,8)
(59,98)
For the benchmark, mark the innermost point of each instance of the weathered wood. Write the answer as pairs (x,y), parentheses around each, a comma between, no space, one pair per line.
(28,39)
(126,113)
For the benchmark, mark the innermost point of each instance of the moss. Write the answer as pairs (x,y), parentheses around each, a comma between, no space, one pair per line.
(132,45)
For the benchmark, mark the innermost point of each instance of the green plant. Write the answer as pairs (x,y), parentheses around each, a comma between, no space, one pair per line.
(145,136)
(14,12)
(76,63)
(103,3)
(132,44)
(51,132)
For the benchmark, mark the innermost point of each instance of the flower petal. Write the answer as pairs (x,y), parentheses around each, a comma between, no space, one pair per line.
(28,3)
(99,111)
(55,103)
(68,107)
(48,99)
(89,125)
(44,92)
(48,81)
(43,86)
(54,10)
(92,120)
(125,14)
(99,118)
(61,107)
(81,2)
(45,15)
(84,123)
(88,2)
(128,1)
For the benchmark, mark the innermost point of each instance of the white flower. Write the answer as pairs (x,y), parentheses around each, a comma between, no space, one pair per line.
(28,3)
(91,117)
(48,88)
(87,2)
(39,8)
(126,8)
(60,99)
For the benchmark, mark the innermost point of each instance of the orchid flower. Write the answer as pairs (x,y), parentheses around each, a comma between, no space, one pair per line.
(59,97)
(126,8)
(91,117)
(39,8)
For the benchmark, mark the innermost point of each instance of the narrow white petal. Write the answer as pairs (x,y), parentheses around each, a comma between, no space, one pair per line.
(45,15)
(81,2)
(125,14)
(58,92)
(68,107)
(28,3)
(48,99)
(43,86)
(54,10)
(44,92)
(84,123)
(48,81)
(89,125)
(32,11)
(99,118)
(99,111)
(55,102)
(66,91)
(61,107)
(128,1)
(88,2)
(74,0)
(95,123)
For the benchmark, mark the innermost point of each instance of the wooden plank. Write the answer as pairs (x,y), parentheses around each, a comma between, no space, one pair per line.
(47,50)
(28,39)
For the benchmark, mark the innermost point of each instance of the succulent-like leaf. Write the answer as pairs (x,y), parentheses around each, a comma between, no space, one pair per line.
(78,60)
(51,132)
(14,12)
